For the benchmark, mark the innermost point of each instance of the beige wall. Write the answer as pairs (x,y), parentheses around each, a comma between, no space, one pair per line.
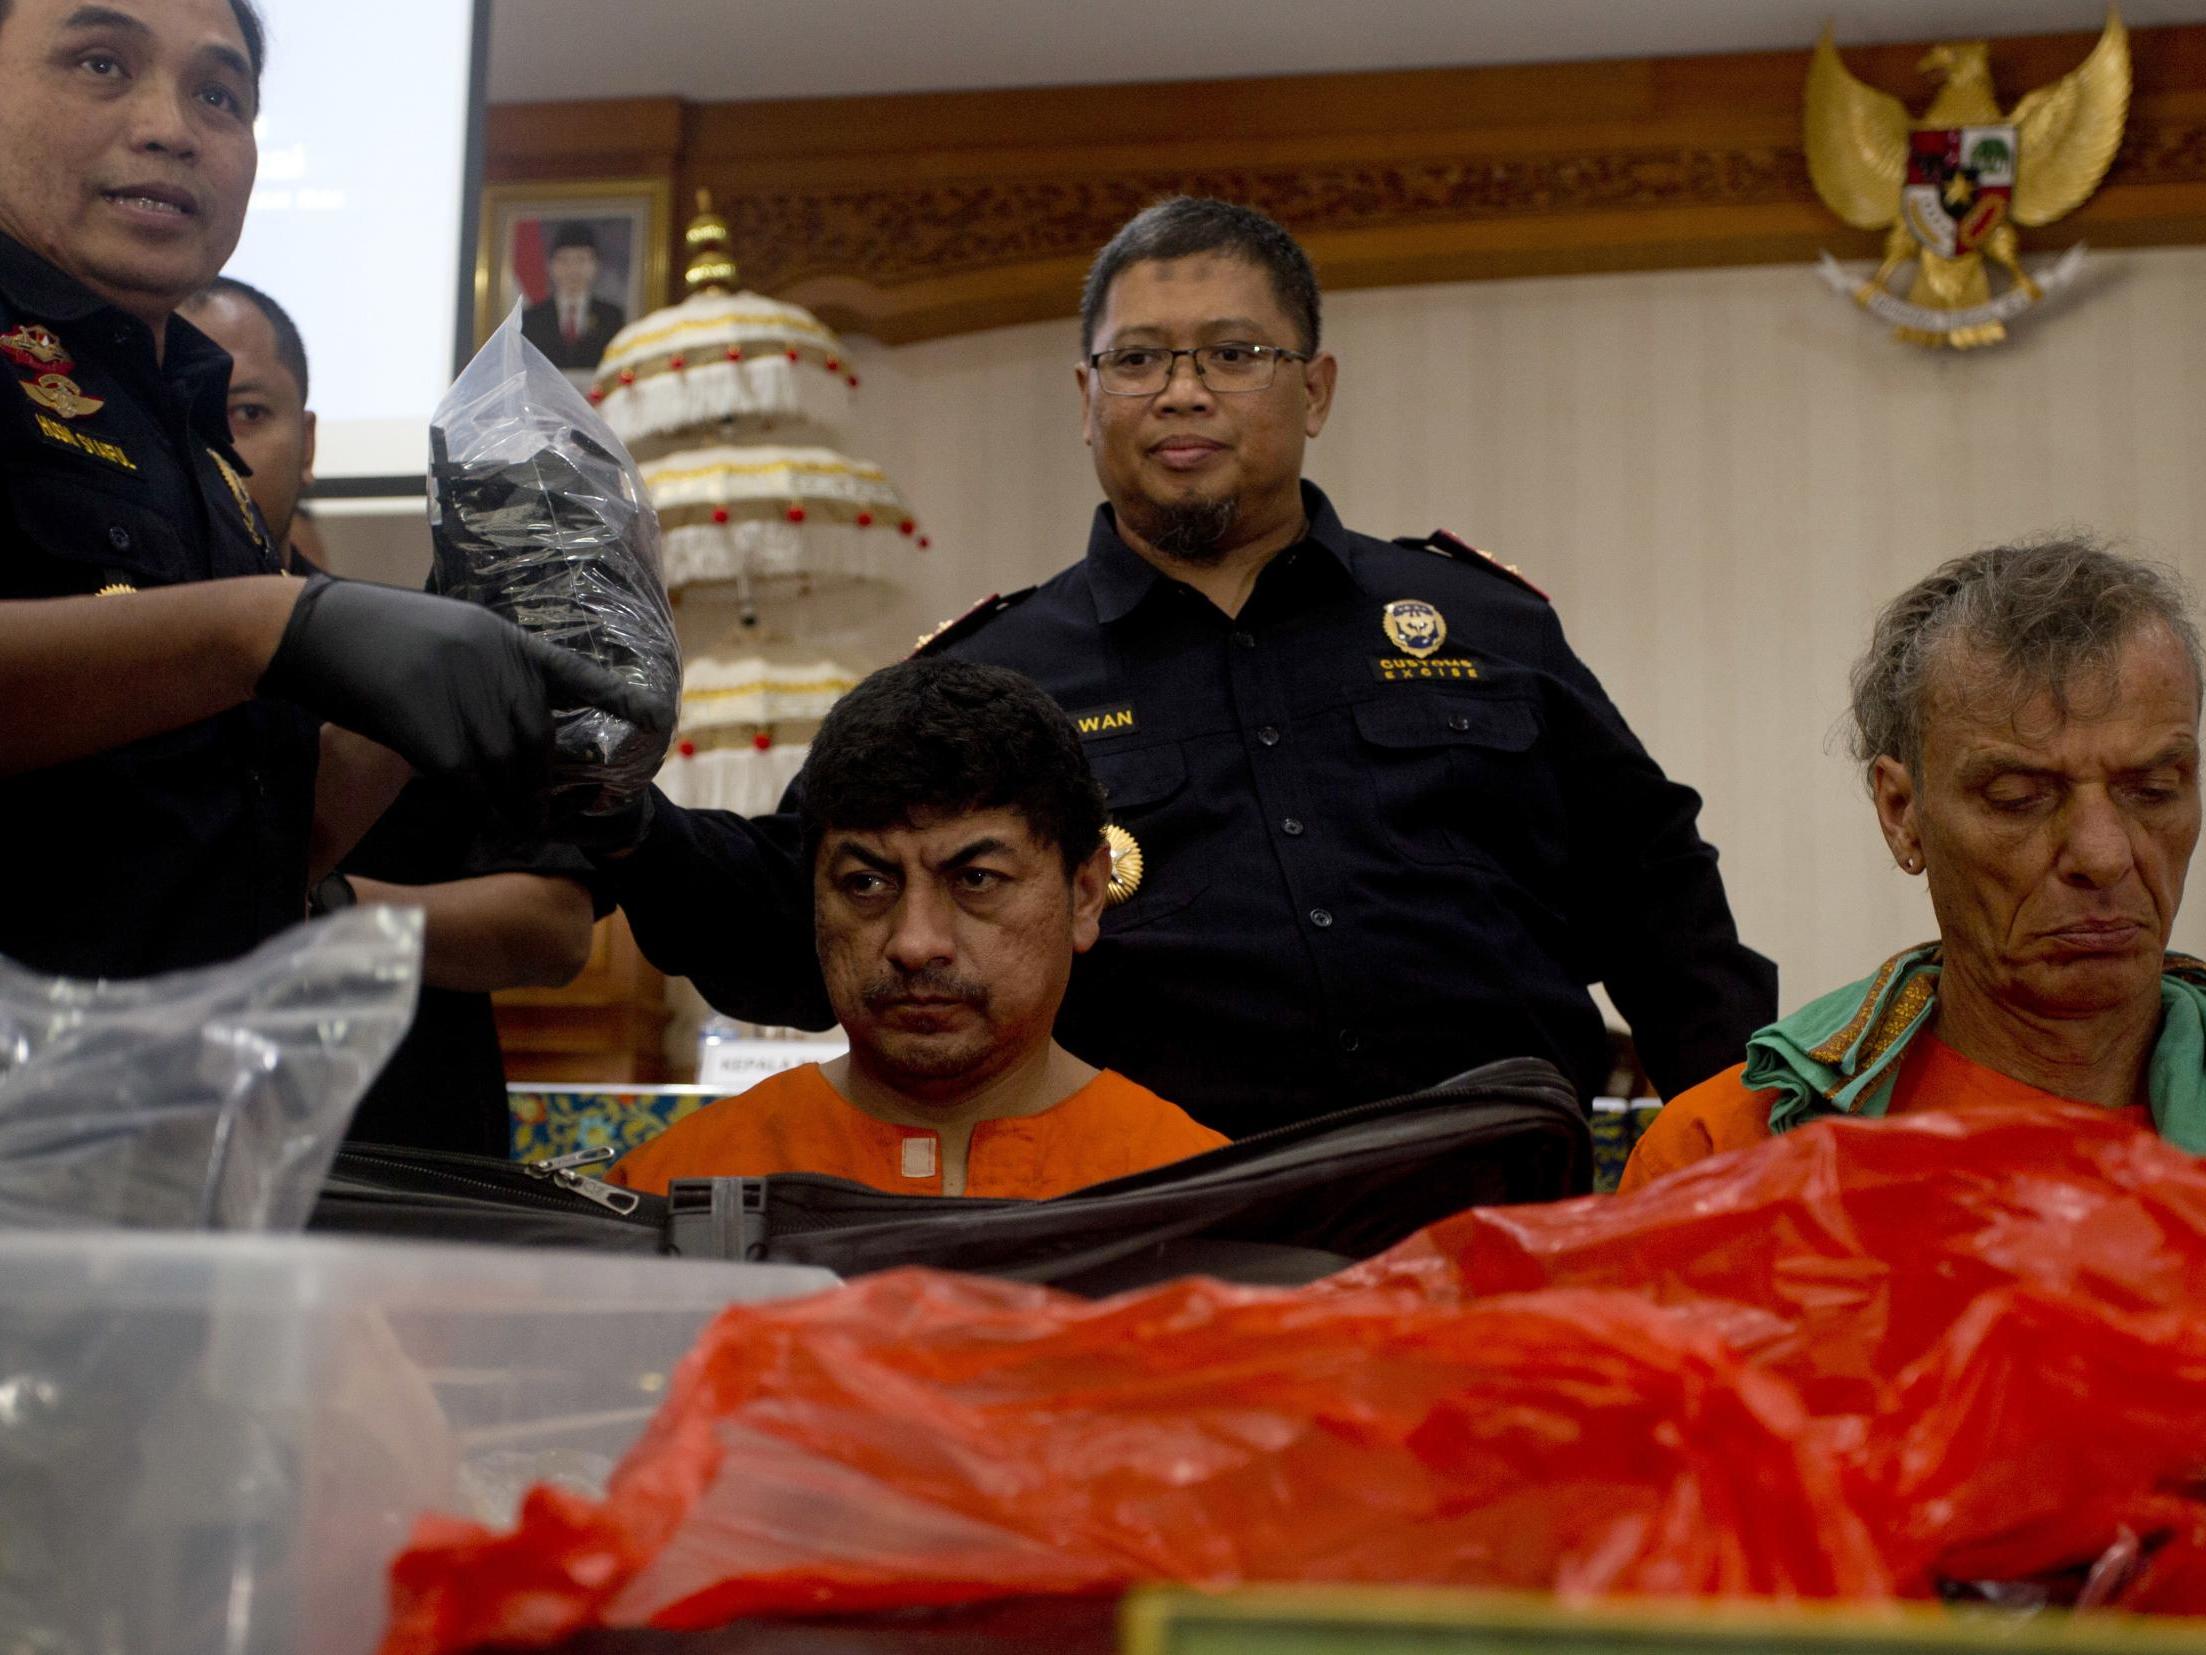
(1717,475)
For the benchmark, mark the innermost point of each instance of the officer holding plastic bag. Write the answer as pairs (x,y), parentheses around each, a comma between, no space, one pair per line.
(182,747)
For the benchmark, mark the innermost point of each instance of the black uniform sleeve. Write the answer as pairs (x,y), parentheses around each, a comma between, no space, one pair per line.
(502,852)
(1649,901)
(724,900)
(434,833)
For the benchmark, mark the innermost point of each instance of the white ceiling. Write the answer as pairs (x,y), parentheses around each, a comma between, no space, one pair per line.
(716,50)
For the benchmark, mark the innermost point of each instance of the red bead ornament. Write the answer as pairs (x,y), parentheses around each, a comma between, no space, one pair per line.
(597,394)
(793,356)
(763,740)
(853,382)
(907,527)
(834,366)
(678,363)
(735,353)
(796,514)
(720,514)
(628,376)
(924,543)
(687,749)
(865,520)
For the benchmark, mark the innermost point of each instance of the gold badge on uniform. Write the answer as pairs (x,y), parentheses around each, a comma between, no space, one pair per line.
(35,348)
(61,394)
(1415,626)
(237,493)
(1126,864)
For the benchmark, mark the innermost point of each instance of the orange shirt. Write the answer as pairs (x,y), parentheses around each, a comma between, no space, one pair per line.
(796,1122)
(1723,1114)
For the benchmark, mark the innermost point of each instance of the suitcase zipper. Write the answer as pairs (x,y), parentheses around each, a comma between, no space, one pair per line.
(504,1192)
(560,1169)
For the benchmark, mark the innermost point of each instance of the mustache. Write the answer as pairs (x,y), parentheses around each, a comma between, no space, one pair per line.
(929,983)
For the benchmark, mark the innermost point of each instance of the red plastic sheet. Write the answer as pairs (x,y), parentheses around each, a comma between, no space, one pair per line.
(1855,1362)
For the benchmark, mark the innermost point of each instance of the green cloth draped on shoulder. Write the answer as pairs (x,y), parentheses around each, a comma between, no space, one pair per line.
(1840,1055)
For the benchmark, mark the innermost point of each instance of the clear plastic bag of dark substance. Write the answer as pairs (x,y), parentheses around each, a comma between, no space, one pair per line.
(211,1099)
(539,514)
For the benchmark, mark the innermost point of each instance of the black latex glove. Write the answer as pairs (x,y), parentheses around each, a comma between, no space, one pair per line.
(455,690)
(608,838)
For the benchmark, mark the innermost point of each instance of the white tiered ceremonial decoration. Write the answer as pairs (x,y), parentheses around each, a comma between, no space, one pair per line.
(717,356)
(735,406)
(751,514)
(736,710)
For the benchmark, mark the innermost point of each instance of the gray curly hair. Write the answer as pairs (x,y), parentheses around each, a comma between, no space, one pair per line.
(2041,614)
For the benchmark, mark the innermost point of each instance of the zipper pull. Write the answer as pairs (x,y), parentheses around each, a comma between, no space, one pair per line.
(560,1170)
(552,1165)
(612,1196)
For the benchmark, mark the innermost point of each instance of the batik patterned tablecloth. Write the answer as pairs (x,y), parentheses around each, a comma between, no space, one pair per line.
(1618,1124)
(560,1120)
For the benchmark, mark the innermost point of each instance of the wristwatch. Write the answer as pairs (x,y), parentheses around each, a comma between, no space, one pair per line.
(332,896)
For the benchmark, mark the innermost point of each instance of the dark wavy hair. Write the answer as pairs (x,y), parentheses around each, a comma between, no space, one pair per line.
(935,737)
(1181,226)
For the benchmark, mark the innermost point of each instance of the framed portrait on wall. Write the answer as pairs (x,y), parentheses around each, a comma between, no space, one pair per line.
(583,260)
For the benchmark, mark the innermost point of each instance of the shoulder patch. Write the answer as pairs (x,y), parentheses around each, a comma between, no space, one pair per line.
(1448,545)
(965,625)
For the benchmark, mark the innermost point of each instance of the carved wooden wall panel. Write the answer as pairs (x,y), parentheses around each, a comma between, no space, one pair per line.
(911,217)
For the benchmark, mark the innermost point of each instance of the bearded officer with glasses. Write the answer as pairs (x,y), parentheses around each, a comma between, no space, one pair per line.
(1373,822)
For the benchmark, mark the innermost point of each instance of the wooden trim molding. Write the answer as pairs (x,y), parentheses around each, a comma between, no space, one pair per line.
(913,217)
(603,1027)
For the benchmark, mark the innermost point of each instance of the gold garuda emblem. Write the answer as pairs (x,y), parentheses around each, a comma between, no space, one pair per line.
(63,395)
(1954,186)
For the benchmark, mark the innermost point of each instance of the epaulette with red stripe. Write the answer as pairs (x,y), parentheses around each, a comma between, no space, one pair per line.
(1448,545)
(960,626)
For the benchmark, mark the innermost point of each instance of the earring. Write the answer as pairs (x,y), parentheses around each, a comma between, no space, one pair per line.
(1909,864)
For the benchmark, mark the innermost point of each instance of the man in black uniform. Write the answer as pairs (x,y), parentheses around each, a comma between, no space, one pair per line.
(500,908)
(161,799)
(1376,823)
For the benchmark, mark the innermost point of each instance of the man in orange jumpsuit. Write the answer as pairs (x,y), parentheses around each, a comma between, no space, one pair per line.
(2028,719)
(955,835)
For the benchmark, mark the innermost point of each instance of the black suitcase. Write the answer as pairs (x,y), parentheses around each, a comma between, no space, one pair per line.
(433,1195)
(1282,1207)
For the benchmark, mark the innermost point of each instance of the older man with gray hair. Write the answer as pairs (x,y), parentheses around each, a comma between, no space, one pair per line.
(2028,718)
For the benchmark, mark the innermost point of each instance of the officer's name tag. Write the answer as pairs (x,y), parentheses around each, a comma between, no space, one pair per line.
(77,442)
(1104,721)
(1401,669)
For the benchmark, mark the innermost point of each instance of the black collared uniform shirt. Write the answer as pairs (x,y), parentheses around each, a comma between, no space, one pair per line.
(1373,855)
(117,475)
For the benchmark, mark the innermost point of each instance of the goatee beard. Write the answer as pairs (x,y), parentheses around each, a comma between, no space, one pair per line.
(1188,531)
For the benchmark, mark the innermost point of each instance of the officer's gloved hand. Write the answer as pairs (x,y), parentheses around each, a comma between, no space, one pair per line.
(611,837)
(453,689)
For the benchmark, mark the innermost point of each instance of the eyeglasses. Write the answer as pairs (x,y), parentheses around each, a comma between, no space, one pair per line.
(1144,370)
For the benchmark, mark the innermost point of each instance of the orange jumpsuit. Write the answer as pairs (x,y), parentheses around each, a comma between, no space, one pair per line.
(1723,1114)
(796,1122)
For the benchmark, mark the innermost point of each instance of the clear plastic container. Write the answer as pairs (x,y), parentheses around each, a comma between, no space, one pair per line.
(218,1443)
